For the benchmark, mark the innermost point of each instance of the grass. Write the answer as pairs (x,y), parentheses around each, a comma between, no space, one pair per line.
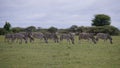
(60,55)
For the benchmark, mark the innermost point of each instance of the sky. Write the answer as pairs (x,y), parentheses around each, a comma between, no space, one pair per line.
(57,13)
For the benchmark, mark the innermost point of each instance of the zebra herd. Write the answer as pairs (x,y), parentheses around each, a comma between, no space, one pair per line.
(56,37)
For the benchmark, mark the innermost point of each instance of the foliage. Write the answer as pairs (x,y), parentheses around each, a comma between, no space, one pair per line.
(43,30)
(7,26)
(63,30)
(2,31)
(31,28)
(73,28)
(17,29)
(100,29)
(39,29)
(82,29)
(52,29)
(101,20)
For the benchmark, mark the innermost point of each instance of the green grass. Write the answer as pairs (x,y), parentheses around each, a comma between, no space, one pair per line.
(62,55)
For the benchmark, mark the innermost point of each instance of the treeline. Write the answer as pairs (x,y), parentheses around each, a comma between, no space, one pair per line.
(100,24)
(77,29)
(93,29)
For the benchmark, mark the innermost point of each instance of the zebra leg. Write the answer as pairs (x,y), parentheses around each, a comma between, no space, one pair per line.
(105,39)
(111,41)
(31,39)
(72,40)
(17,40)
(26,40)
(61,39)
(8,40)
(93,40)
(45,39)
(89,40)
(110,38)
(12,39)
(79,41)
(97,39)
(57,40)
(20,42)
(68,40)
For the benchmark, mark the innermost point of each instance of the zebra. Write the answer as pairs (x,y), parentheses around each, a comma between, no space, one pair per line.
(40,35)
(28,35)
(87,36)
(69,37)
(104,36)
(19,37)
(52,36)
(9,38)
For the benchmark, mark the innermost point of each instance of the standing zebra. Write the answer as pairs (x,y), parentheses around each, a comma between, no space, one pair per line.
(104,36)
(9,38)
(52,36)
(39,35)
(87,36)
(69,37)
(19,37)
(28,35)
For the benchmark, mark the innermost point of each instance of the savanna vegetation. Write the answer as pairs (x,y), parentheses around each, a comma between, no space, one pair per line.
(82,54)
(60,55)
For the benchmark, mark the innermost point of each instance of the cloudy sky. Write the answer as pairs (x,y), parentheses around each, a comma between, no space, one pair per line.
(58,13)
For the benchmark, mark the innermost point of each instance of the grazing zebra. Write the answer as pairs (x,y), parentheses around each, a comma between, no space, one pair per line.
(39,35)
(9,38)
(69,37)
(28,35)
(55,37)
(87,36)
(104,36)
(19,37)
(52,36)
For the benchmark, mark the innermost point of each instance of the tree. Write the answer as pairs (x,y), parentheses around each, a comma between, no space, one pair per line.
(101,20)
(31,28)
(17,29)
(52,29)
(39,29)
(7,26)
(2,31)
(73,28)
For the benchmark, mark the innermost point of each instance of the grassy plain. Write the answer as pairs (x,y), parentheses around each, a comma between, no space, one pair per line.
(60,55)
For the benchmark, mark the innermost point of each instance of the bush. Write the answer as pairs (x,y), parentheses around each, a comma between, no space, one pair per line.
(101,29)
(52,29)
(17,29)
(2,31)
